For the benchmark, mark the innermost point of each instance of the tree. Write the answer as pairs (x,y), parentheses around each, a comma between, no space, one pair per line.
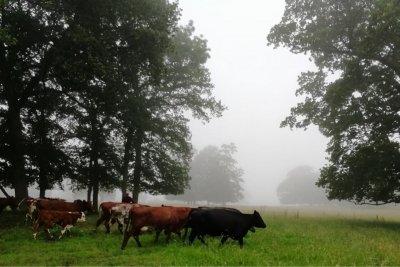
(359,110)
(157,128)
(29,32)
(300,187)
(47,161)
(144,42)
(98,90)
(215,176)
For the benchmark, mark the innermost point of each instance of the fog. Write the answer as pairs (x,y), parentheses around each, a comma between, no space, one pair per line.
(257,83)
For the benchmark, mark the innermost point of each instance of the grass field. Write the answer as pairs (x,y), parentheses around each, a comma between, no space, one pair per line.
(293,237)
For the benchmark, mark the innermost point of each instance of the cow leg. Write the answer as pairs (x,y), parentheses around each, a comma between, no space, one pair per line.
(240,239)
(201,238)
(27,217)
(99,221)
(185,234)
(107,225)
(66,228)
(168,234)
(192,236)
(179,234)
(35,229)
(127,235)
(49,234)
(223,240)
(158,231)
(136,237)
(120,225)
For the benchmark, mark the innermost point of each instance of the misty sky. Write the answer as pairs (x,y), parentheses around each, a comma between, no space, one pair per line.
(257,83)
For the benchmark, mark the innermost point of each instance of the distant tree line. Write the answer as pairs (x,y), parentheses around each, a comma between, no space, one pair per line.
(98,92)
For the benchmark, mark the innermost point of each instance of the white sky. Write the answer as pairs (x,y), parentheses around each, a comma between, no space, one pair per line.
(257,83)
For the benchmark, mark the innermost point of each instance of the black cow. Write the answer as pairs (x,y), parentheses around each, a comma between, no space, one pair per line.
(222,222)
(223,208)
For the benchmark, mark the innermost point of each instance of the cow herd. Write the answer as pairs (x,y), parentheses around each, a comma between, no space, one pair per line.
(203,221)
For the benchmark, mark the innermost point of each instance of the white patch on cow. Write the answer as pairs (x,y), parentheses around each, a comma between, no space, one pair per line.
(66,228)
(51,235)
(32,207)
(144,229)
(121,212)
(82,218)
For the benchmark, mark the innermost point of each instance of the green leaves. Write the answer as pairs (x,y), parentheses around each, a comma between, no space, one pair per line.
(103,86)
(354,96)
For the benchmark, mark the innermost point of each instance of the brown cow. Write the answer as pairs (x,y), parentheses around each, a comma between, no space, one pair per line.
(51,204)
(30,203)
(8,201)
(50,218)
(111,212)
(169,219)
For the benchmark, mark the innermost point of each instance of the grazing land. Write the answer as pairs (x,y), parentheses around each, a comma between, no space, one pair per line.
(294,236)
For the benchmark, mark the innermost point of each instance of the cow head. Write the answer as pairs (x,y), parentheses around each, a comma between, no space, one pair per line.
(258,221)
(82,218)
(84,205)
(31,204)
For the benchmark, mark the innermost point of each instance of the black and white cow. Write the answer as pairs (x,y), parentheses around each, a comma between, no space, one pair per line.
(222,222)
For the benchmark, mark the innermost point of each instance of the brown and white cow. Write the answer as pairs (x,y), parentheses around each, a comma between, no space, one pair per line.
(61,205)
(49,218)
(8,201)
(31,207)
(111,212)
(169,219)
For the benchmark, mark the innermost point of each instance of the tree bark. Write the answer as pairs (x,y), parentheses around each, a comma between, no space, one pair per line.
(16,152)
(137,172)
(94,158)
(127,158)
(96,195)
(89,193)
(43,155)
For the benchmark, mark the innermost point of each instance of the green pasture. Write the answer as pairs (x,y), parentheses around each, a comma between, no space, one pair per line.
(293,237)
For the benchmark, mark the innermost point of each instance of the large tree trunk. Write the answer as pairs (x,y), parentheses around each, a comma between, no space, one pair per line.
(89,193)
(137,168)
(94,157)
(43,155)
(42,191)
(96,195)
(17,160)
(127,159)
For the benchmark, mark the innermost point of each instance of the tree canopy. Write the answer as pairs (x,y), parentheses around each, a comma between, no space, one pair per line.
(99,92)
(354,96)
